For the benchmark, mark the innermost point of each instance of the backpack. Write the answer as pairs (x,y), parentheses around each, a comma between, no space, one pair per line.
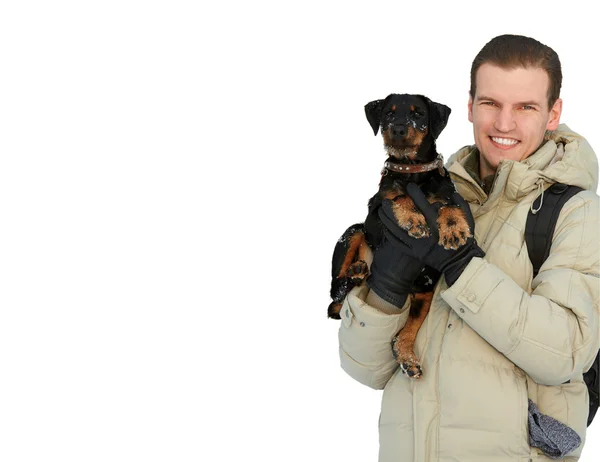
(539,230)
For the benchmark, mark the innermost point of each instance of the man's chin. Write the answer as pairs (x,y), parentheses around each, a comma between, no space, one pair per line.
(494,152)
(489,162)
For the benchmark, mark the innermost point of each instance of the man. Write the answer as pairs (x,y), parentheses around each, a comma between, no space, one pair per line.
(496,340)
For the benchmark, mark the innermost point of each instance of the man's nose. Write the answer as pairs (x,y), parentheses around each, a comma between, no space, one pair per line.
(505,120)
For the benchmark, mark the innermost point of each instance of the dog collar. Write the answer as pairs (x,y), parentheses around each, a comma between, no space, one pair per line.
(413,168)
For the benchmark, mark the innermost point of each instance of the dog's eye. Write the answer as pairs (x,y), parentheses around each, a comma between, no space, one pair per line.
(418,114)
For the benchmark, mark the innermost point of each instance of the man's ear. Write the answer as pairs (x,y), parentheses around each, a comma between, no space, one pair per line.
(438,117)
(470,108)
(554,116)
(373,113)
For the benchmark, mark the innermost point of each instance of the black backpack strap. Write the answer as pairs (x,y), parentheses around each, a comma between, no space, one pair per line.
(592,380)
(539,230)
(541,222)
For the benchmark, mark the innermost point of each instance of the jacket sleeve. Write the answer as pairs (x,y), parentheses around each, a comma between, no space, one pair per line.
(365,339)
(552,334)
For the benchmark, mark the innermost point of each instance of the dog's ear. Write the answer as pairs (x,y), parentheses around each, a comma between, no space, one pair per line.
(373,112)
(438,117)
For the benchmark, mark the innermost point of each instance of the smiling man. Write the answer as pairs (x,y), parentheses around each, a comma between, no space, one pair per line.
(511,111)
(513,100)
(503,350)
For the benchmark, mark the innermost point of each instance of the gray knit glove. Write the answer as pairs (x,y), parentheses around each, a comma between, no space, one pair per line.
(554,438)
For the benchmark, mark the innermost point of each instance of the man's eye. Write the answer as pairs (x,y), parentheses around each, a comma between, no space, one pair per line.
(528,108)
(489,103)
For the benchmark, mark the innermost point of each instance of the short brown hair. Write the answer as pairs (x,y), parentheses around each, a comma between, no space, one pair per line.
(513,51)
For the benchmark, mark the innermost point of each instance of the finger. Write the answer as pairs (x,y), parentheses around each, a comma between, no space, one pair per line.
(430,213)
(386,215)
(437,206)
(397,242)
(457,199)
(386,210)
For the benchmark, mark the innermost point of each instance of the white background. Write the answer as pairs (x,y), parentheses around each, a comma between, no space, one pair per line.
(173,178)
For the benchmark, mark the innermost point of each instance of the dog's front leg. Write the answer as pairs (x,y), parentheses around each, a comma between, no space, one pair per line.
(403,344)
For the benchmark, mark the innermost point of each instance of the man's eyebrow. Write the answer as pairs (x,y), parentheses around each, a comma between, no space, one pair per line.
(529,103)
(523,103)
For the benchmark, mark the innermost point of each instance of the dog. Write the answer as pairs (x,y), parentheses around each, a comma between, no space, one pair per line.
(410,125)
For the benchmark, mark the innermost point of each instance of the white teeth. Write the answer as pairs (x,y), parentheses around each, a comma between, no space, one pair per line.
(504,141)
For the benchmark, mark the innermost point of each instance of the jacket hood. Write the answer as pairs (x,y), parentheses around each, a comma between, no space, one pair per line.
(565,157)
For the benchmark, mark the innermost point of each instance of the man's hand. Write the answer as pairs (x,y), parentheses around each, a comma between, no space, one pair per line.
(451,262)
(393,272)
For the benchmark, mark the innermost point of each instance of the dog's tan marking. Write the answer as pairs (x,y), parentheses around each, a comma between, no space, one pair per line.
(334,310)
(365,253)
(362,260)
(453,227)
(405,341)
(394,107)
(353,246)
(409,218)
(417,135)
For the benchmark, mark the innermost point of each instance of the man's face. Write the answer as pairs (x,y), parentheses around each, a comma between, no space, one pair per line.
(510,114)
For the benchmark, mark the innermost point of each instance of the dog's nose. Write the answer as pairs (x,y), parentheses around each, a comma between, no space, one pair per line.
(398,130)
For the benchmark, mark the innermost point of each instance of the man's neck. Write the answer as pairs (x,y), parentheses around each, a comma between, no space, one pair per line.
(473,167)
(485,169)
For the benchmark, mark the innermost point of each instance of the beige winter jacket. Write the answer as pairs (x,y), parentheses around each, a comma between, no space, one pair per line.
(496,337)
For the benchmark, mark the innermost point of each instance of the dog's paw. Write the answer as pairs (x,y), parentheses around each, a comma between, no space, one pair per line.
(333,310)
(453,227)
(358,270)
(409,363)
(409,218)
(412,369)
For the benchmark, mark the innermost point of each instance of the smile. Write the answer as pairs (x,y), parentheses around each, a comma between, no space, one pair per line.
(504,141)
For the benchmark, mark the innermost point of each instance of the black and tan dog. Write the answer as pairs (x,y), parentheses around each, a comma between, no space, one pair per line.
(410,124)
